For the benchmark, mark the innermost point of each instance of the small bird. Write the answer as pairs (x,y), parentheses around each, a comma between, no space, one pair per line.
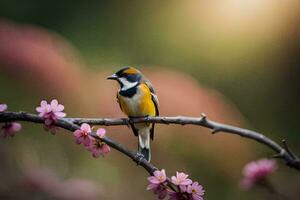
(137,98)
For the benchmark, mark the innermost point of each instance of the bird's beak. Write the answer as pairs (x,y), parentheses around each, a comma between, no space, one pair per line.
(112,77)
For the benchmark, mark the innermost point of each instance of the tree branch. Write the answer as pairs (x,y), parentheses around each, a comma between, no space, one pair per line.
(72,124)
(69,125)
(282,152)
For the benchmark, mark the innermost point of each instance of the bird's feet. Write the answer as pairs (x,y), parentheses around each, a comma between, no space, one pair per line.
(138,158)
(132,120)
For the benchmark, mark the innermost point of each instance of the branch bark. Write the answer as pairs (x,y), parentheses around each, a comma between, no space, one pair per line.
(72,124)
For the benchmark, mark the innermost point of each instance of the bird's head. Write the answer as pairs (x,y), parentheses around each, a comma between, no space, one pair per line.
(127,77)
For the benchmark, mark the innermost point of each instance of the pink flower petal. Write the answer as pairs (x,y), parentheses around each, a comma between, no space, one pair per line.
(16,126)
(77,133)
(44,103)
(3,107)
(101,132)
(41,115)
(256,171)
(152,186)
(39,109)
(186,182)
(197,197)
(11,129)
(105,149)
(60,115)
(85,127)
(183,188)
(157,173)
(60,108)
(54,103)
(153,179)
(86,141)
(189,189)
(174,180)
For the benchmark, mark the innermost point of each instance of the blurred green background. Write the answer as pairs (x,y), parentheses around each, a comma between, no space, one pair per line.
(237,61)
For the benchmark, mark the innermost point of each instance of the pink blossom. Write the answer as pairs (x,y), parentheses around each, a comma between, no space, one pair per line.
(98,148)
(10,129)
(51,112)
(82,135)
(256,171)
(57,109)
(181,179)
(192,191)
(157,183)
(101,132)
(159,177)
(3,107)
(186,190)
(43,109)
(196,190)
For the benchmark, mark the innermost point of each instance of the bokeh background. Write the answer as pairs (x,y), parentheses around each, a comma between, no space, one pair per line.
(236,61)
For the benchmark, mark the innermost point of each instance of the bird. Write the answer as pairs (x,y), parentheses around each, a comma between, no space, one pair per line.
(137,98)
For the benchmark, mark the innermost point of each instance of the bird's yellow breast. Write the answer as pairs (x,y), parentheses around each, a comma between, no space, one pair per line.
(140,104)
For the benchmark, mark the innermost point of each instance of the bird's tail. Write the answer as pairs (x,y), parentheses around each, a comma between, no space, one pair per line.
(144,142)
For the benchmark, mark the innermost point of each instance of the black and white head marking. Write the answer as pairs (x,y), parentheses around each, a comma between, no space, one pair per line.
(125,84)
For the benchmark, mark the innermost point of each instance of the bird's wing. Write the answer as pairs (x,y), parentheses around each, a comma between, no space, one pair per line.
(154,96)
(156,104)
